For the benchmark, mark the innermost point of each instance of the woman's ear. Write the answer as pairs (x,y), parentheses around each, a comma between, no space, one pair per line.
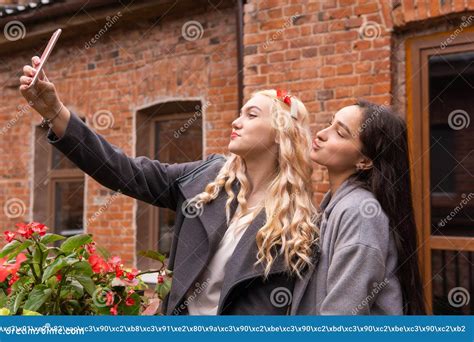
(364,164)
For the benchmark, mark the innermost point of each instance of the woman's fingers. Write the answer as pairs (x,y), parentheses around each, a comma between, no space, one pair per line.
(25,80)
(29,71)
(36,62)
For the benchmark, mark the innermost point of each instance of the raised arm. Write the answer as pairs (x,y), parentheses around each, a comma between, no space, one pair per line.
(142,178)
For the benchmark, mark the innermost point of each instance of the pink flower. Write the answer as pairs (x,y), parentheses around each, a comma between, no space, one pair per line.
(38,228)
(109,298)
(113,310)
(9,236)
(90,247)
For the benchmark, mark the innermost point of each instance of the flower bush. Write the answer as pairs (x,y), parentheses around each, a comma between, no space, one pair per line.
(48,274)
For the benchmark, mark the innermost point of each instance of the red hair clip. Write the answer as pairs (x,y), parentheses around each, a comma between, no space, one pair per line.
(286,98)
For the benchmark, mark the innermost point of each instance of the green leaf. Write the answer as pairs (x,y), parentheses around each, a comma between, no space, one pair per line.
(72,290)
(87,282)
(49,238)
(40,294)
(75,241)
(55,266)
(164,288)
(13,248)
(152,255)
(82,268)
(18,300)
(37,260)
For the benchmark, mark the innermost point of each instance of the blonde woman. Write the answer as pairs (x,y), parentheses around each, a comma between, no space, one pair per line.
(243,236)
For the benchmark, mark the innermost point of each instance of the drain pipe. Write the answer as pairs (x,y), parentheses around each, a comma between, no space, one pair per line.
(240,52)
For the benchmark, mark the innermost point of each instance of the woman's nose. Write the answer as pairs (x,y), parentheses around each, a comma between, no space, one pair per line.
(322,135)
(236,124)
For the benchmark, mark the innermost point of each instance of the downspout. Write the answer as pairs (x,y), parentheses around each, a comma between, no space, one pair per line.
(240,53)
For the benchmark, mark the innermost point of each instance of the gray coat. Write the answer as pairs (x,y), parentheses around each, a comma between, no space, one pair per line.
(355,274)
(244,290)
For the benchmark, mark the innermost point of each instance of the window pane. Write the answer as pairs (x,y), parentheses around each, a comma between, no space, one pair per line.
(453,282)
(68,207)
(176,141)
(451,85)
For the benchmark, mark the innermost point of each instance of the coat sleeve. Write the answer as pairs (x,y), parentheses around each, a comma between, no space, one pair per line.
(357,268)
(142,178)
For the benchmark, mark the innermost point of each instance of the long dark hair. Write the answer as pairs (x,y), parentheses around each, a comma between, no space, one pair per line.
(383,135)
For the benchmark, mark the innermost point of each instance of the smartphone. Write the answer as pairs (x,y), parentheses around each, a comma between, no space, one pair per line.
(44,57)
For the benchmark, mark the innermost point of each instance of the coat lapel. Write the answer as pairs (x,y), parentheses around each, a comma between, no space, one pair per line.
(241,264)
(198,238)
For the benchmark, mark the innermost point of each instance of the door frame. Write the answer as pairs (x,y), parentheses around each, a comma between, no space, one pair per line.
(418,49)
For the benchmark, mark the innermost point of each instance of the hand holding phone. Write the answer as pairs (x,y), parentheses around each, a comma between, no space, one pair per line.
(44,57)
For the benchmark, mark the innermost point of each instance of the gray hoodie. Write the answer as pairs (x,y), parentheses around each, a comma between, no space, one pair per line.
(355,274)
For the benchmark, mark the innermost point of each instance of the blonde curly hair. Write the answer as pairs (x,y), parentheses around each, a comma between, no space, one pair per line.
(289,228)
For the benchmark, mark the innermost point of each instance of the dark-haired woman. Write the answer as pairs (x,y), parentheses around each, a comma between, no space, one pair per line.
(368,263)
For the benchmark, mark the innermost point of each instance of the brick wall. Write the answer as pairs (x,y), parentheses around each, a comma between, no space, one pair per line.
(322,51)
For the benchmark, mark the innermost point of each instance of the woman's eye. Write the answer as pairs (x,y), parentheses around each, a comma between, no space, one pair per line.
(252,115)
(340,134)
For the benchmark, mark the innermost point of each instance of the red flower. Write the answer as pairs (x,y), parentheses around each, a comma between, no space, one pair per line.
(38,228)
(13,279)
(9,236)
(160,279)
(129,301)
(110,298)
(24,230)
(90,247)
(59,276)
(113,310)
(118,272)
(98,264)
(7,269)
(132,274)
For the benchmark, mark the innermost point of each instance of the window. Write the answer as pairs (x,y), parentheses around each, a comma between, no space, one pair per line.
(171,133)
(58,189)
